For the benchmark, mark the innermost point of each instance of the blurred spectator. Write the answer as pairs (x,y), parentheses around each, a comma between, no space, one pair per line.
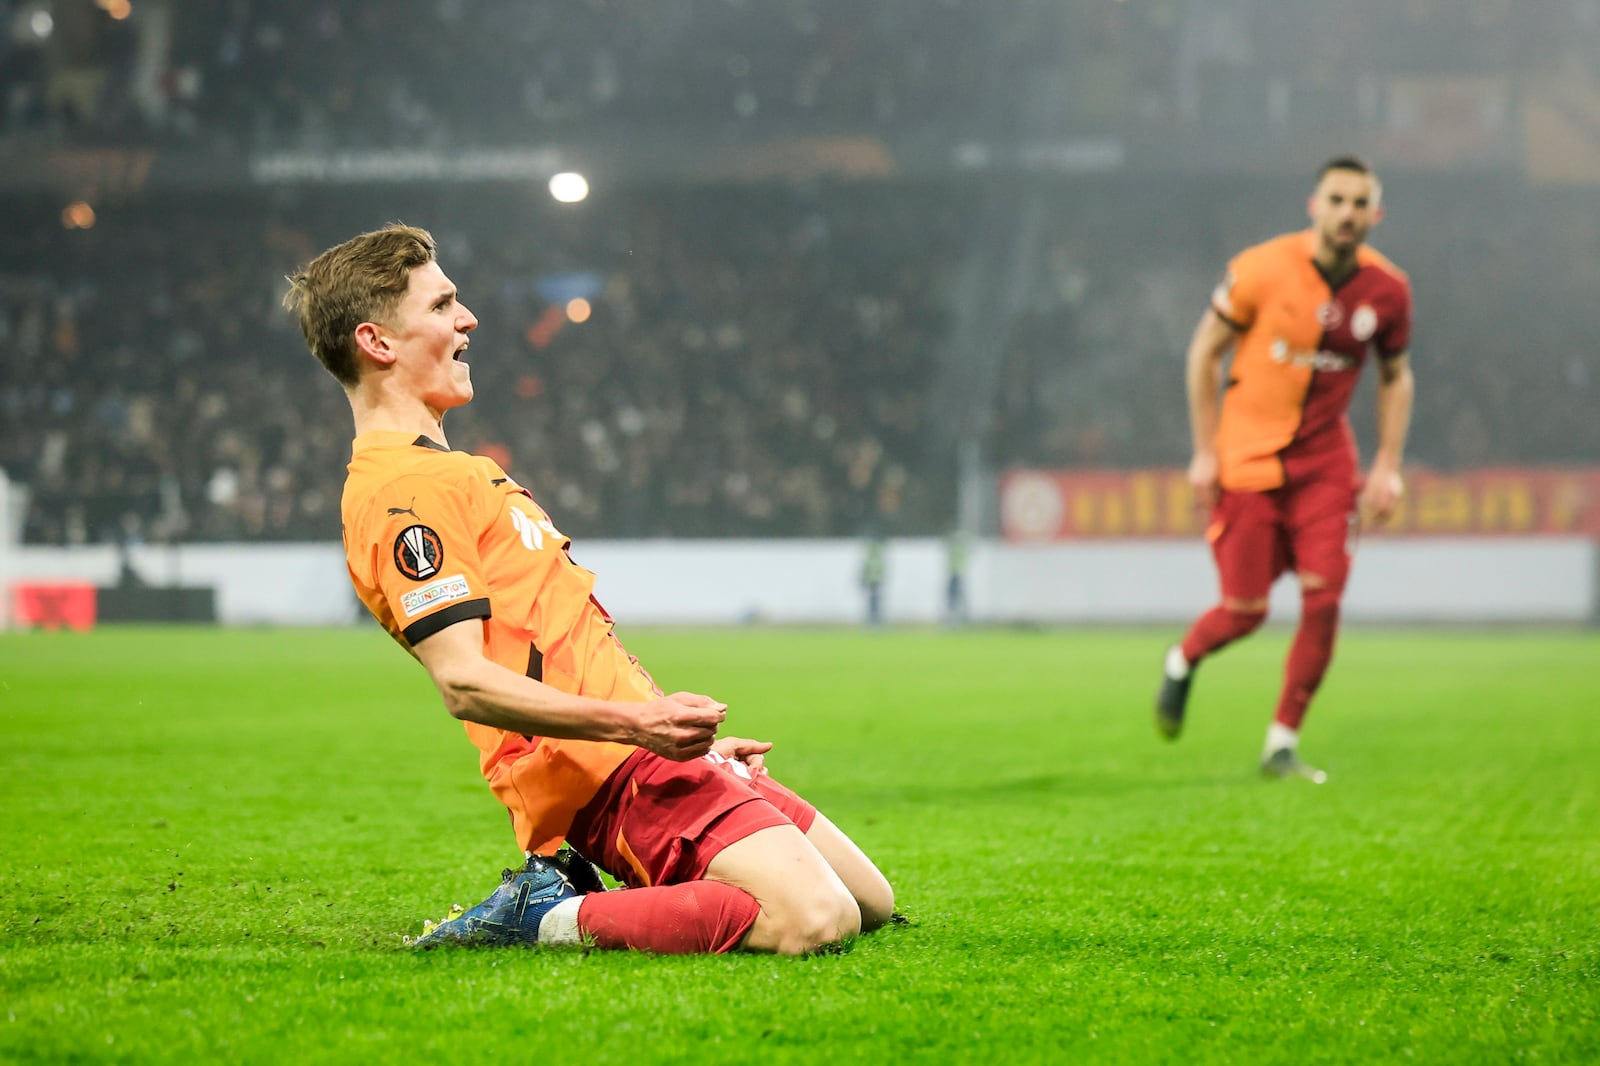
(749,361)
(742,360)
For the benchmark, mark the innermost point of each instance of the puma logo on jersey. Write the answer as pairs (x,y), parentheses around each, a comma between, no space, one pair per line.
(405,510)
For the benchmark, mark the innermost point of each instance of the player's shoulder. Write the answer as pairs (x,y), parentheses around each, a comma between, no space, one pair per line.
(1370,257)
(383,482)
(1285,245)
(1270,255)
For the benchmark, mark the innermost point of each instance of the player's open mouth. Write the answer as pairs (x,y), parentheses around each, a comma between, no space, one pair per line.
(460,355)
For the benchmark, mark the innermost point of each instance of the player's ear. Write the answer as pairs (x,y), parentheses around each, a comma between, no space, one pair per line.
(372,343)
(1377,214)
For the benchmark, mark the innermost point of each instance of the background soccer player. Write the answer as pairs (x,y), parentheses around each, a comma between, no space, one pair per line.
(1277,466)
(470,576)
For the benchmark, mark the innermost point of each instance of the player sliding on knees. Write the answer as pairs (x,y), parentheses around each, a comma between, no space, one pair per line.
(1277,465)
(468,574)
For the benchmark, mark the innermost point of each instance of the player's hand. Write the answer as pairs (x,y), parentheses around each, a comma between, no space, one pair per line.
(681,726)
(1203,479)
(750,752)
(1381,495)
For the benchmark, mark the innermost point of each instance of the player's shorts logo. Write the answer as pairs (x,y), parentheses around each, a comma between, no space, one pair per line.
(418,552)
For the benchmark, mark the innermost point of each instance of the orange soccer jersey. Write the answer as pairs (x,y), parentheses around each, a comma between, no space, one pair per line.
(434,537)
(1302,346)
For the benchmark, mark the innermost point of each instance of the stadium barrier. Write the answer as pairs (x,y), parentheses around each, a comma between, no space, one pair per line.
(1538,579)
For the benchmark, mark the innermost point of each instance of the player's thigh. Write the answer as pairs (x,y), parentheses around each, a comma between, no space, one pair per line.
(804,903)
(1321,518)
(871,889)
(1246,535)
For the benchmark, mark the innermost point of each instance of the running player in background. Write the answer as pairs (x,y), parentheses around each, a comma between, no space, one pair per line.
(1277,464)
(470,576)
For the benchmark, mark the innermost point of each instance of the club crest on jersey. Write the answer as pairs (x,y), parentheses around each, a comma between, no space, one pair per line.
(1364,323)
(418,552)
(1330,314)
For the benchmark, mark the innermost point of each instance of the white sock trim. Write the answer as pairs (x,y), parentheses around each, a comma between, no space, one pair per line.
(1177,666)
(1281,736)
(560,924)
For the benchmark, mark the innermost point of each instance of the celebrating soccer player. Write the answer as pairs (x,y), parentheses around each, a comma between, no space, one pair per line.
(1277,465)
(467,572)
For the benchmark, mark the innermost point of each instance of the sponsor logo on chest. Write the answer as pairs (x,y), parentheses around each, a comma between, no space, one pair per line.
(1326,361)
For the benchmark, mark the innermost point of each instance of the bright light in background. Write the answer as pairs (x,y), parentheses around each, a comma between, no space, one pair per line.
(569,187)
(77,215)
(118,9)
(578,309)
(40,24)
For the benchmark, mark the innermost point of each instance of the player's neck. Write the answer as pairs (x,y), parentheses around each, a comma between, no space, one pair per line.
(386,414)
(1336,265)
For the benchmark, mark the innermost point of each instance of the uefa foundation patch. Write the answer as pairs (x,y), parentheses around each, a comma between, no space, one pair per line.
(418,552)
(434,593)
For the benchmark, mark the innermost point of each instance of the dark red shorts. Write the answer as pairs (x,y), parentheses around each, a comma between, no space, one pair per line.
(658,822)
(1257,536)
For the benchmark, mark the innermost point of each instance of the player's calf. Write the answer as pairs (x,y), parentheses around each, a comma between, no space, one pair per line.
(1213,631)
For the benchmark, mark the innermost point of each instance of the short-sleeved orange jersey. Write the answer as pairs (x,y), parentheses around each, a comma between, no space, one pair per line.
(433,537)
(1302,346)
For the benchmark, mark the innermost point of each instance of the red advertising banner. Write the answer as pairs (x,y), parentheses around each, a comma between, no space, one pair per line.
(54,604)
(1047,505)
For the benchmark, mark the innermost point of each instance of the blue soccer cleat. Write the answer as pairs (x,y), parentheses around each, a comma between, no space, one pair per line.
(510,915)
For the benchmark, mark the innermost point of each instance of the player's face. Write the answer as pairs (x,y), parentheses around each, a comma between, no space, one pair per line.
(429,338)
(1343,208)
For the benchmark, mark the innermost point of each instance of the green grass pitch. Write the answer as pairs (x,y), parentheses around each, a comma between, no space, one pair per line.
(213,840)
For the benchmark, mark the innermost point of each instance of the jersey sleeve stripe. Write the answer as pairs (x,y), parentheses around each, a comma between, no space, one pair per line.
(1235,325)
(423,628)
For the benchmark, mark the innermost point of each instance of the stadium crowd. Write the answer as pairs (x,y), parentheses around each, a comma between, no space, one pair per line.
(752,362)
(755,360)
(748,359)
(1507,367)
(253,74)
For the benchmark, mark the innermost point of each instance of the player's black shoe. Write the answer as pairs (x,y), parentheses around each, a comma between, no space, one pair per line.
(1171,700)
(583,874)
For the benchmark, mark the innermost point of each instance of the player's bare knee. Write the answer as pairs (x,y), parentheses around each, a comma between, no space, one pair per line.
(876,904)
(1321,603)
(1249,613)
(817,925)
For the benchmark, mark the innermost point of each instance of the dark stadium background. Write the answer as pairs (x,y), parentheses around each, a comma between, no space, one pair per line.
(846,263)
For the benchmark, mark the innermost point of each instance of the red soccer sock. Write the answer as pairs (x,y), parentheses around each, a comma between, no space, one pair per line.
(1218,628)
(1309,656)
(694,918)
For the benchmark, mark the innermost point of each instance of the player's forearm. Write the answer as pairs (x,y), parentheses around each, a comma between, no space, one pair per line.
(1203,379)
(1394,419)
(488,694)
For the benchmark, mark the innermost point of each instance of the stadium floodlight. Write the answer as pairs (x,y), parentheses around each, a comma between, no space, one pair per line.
(569,187)
(78,215)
